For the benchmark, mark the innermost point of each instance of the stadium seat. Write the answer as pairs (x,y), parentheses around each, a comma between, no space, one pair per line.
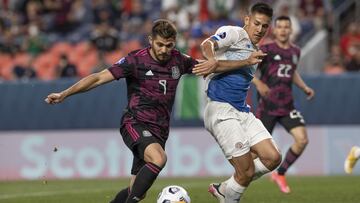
(6,66)
(61,48)
(86,63)
(130,46)
(82,47)
(45,65)
(114,56)
(22,59)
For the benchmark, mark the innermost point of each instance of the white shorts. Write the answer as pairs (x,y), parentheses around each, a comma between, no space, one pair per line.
(233,130)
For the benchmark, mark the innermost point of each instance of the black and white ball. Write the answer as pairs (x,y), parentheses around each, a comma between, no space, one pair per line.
(173,194)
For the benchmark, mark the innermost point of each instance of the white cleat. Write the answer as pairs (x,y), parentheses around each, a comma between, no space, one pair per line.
(350,161)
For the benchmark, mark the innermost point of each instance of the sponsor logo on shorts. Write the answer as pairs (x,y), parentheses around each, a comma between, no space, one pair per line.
(239,145)
(146,133)
(294,114)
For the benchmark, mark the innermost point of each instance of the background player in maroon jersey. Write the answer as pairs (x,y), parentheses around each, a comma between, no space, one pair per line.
(278,73)
(152,75)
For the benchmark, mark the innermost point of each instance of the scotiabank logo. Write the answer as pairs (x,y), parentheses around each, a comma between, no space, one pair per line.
(69,162)
(109,157)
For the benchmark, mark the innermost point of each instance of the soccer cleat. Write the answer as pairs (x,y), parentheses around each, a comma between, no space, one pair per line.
(214,189)
(350,161)
(281,182)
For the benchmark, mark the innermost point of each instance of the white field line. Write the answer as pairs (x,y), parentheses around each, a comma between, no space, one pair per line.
(81,191)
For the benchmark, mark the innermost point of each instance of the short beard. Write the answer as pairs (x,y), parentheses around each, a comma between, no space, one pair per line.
(161,61)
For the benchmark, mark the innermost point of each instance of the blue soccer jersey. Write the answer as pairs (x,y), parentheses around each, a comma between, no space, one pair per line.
(231,87)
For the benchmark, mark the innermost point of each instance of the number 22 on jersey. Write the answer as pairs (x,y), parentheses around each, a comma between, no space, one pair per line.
(284,70)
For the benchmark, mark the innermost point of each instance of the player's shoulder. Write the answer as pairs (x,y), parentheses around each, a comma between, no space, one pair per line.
(231,29)
(268,46)
(179,54)
(176,53)
(139,52)
(136,55)
(295,47)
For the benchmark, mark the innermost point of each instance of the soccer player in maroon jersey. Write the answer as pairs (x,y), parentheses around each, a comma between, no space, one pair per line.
(152,75)
(278,73)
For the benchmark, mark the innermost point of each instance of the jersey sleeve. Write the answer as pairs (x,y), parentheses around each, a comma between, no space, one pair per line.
(121,69)
(189,63)
(226,36)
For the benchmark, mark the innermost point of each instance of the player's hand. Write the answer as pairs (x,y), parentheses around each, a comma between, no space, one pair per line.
(256,57)
(309,92)
(263,89)
(55,98)
(205,68)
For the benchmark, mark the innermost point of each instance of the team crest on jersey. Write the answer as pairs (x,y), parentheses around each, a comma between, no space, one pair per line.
(146,133)
(175,72)
(295,59)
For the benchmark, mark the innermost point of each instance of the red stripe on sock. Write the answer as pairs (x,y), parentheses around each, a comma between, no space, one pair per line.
(153,168)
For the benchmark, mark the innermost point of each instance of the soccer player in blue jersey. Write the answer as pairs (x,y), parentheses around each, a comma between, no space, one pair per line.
(242,137)
(152,75)
(276,105)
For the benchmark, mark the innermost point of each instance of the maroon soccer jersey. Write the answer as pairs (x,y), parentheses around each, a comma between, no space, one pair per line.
(277,70)
(151,87)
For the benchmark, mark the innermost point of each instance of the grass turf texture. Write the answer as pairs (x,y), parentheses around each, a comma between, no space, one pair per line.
(331,189)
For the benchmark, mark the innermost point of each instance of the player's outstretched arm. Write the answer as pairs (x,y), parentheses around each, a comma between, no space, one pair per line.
(261,87)
(228,65)
(302,85)
(212,65)
(208,66)
(83,85)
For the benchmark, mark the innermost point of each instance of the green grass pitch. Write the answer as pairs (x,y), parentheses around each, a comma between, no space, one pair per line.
(329,189)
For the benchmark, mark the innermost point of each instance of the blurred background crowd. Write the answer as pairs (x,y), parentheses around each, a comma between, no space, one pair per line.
(51,39)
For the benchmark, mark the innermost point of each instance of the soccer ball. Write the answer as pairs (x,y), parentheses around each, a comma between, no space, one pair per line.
(173,194)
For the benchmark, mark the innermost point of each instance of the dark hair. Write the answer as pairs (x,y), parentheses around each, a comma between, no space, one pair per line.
(283,18)
(164,28)
(262,8)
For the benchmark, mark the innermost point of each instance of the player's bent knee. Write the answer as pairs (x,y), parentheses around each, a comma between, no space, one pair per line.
(303,142)
(159,159)
(272,161)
